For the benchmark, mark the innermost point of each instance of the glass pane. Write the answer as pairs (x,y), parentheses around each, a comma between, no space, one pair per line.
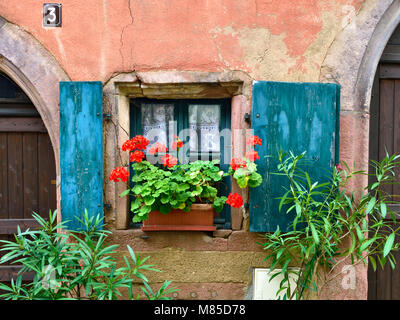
(204,123)
(156,118)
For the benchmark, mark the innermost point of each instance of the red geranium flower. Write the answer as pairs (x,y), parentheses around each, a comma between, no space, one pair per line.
(119,173)
(157,147)
(237,163)
(128,145)
(235,200)
(137,156)
(252,155)
(169,161)
(177,144)
(253,141)
(141,142)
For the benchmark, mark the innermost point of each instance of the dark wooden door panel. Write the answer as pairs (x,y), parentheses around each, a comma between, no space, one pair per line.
(15,176)
(27,179)
(30,174)
(385,138)
(3,176)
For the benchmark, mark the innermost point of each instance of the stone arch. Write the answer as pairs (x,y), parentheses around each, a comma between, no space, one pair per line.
(353,57)
(351,61)
(37,73)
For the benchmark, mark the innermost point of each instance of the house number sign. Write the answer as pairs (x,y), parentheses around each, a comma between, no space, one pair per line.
(51,15)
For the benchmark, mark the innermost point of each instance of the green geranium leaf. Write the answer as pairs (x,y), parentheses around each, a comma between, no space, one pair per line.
(242,181)
(197,191)
(165,198)
(255,180)
(144,210)
(137,189)
(182,187)
(219,203)
(149,200)
(136,204)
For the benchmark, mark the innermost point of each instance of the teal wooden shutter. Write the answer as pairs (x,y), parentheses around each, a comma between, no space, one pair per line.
(298,117)
(81,150)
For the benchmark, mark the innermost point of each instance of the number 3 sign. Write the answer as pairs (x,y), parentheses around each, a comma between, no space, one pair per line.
(51,15)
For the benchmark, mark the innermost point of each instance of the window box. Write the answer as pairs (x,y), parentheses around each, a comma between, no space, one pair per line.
(199,218)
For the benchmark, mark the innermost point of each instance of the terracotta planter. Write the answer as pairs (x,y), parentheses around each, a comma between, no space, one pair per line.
(199,218)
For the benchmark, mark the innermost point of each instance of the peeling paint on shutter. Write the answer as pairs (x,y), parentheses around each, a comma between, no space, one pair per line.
(298,117)
(81,150)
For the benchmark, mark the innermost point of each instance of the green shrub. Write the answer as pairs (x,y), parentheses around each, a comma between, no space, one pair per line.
(73,265)
(331,226)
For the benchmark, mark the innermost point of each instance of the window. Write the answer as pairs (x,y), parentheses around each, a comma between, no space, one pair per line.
(202,124)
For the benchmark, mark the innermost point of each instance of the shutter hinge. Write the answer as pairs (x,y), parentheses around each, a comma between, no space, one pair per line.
(107,116)
(247,117)
(107,206)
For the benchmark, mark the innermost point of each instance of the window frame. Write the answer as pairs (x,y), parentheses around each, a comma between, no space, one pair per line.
(223,220)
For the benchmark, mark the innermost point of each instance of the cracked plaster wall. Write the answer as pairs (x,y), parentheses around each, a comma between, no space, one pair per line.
(276,40)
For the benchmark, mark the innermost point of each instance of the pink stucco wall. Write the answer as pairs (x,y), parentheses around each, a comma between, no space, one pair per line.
(101,38)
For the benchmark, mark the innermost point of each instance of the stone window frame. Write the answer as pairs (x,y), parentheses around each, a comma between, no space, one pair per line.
(117,94)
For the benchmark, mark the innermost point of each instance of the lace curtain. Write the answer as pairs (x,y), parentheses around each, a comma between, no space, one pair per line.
(204,122)
(157,120)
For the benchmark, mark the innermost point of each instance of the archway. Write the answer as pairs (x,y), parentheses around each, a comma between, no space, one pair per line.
(31,130)
(26,62)
(384,284)
(352,61)
(27,166)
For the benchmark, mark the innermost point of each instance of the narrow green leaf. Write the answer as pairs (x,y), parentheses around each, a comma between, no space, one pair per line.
(373,262)
(366,244)
(314,233)
(370,205)
(388,244)
(383,209)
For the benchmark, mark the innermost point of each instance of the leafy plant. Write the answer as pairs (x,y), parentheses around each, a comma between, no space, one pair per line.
(177,185)
(327,218)
(174,188)
(74,265)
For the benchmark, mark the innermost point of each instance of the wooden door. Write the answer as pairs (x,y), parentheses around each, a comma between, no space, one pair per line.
(27,172)
(385,137)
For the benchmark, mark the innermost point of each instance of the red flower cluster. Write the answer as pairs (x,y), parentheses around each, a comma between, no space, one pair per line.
(128,145)
(237,163)
(253,141)
(235,200)
(157,147)
(169,161)
(252,155)
(138,142)
(137,156)
(141,142)
(119,173)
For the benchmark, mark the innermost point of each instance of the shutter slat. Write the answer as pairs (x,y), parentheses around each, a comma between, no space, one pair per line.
(81,150)
(294,117)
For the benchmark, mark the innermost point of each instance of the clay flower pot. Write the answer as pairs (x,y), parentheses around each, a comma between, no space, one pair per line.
(199,218)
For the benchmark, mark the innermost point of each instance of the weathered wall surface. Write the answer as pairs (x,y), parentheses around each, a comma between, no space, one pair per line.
(280,40)
(276,39)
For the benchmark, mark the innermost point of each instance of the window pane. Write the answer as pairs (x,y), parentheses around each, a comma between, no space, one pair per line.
(204,124)
(156,118)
